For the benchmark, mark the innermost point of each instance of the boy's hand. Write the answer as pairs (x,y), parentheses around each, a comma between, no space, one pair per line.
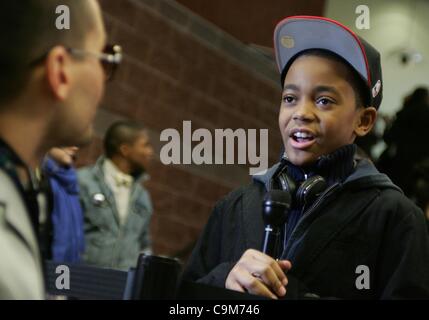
(259,274)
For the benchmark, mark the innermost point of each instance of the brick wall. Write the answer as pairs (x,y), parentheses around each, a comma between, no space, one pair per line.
(178,67)
(252,21)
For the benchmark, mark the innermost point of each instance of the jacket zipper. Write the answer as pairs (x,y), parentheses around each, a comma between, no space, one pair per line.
(328,192)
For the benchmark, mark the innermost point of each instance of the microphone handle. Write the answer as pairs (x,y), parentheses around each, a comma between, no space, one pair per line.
(271,241)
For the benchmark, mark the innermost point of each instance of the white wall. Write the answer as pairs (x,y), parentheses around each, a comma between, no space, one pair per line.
(393,24)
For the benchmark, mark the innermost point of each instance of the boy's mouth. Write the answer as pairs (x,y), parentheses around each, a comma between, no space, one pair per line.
(302,138)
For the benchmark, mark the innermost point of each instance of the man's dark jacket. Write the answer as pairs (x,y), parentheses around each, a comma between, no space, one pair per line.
(363,224)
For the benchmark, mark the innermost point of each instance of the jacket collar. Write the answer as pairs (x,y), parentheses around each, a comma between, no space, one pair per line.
(99,172)
(364,175)
(334,167)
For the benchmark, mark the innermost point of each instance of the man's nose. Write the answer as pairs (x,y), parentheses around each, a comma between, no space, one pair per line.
(149,152)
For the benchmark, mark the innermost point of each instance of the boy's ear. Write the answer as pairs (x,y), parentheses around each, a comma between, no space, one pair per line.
(365,121)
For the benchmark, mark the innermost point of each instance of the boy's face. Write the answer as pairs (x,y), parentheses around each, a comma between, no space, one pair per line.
(318,112)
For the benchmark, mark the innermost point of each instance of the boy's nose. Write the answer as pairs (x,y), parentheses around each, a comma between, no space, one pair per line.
(304,112)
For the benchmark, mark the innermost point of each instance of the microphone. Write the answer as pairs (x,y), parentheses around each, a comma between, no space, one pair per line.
(275,210)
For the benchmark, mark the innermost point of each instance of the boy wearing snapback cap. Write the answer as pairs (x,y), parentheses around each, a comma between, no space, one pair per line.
(357,236)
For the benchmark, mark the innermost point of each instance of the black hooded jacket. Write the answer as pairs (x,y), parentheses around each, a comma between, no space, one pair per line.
(362,223)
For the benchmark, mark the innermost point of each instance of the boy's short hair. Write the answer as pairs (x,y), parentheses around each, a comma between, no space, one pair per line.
(359,86)
(28,31)
(297,34)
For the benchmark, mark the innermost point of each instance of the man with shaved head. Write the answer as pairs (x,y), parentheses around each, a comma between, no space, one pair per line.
(117,207)
(51,83)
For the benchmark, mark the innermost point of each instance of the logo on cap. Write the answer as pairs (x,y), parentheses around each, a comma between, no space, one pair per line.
(288,42)
(376,89)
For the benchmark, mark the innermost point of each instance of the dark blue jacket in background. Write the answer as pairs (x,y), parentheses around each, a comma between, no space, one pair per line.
(67,218)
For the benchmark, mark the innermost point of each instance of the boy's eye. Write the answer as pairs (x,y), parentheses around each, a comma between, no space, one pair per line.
(288,99)
(325,101)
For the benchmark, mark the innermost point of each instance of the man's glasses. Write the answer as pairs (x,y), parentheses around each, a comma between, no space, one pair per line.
(110,58)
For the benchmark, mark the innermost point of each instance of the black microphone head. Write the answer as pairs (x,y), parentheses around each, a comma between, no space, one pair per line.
(275,207)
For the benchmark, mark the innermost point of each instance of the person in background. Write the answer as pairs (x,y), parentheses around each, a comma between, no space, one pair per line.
(406,140)
(66,216)
(52,82)
(117,207)
(420,194)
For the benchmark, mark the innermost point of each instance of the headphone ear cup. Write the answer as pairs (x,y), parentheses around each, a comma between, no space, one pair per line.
(287,184)
(310,190)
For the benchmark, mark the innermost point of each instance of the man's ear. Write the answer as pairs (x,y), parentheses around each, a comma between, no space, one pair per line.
(365,121)
(58,72)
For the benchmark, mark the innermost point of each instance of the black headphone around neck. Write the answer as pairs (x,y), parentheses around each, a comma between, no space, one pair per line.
(302,194)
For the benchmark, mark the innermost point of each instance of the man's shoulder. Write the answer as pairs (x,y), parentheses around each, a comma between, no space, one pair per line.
(8,190)
(6,183)
(2,211)
(10,198)
(20,274)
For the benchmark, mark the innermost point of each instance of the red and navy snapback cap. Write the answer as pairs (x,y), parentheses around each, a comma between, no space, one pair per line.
(296,34)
